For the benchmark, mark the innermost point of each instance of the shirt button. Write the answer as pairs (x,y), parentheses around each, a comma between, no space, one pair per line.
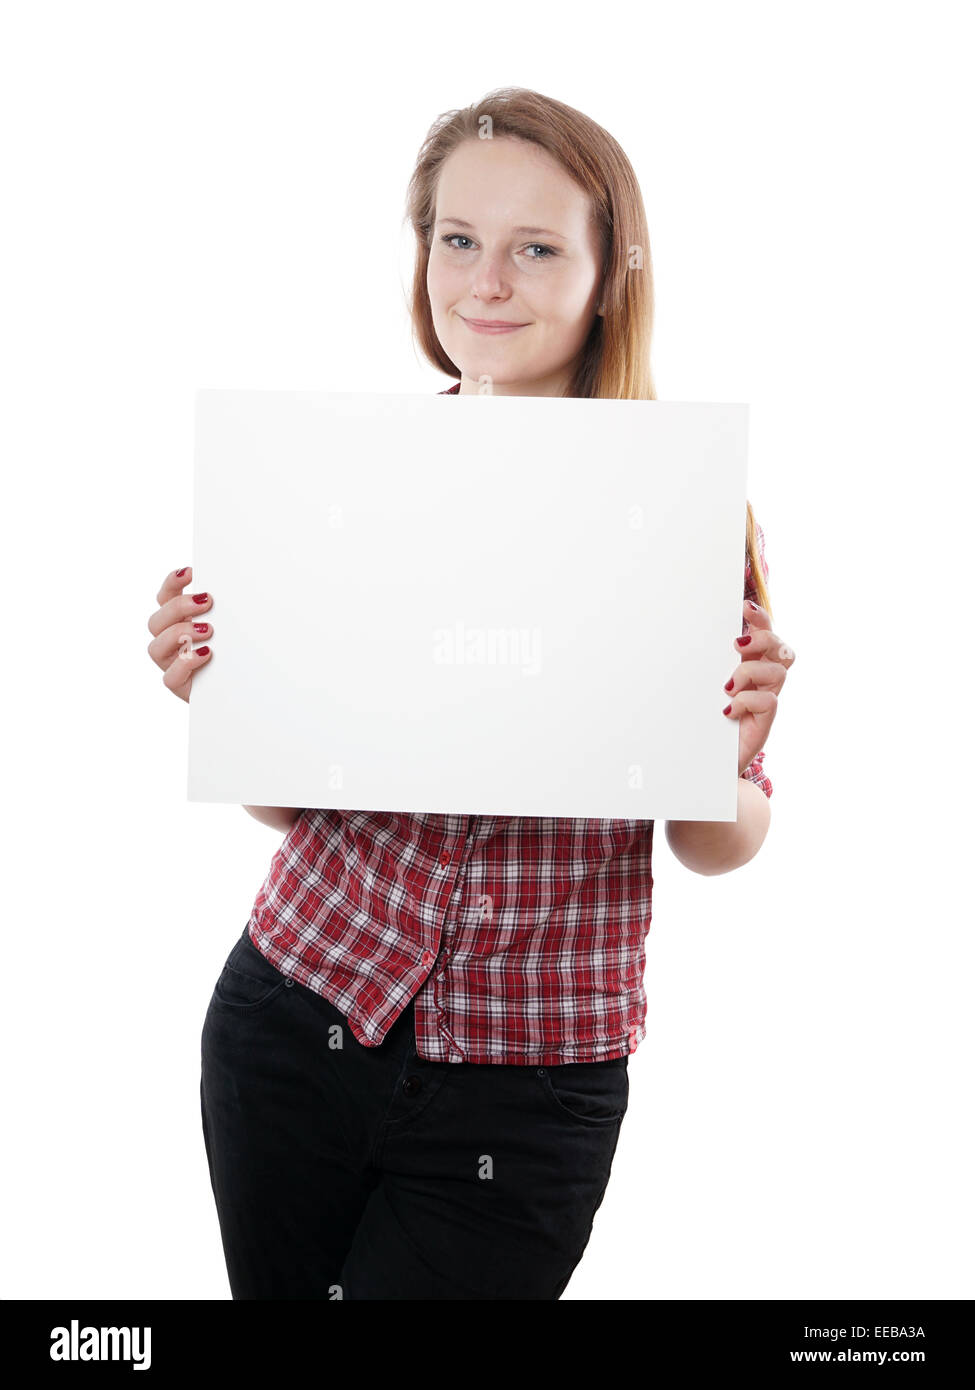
(411,1085)
(426,958)
(445,857)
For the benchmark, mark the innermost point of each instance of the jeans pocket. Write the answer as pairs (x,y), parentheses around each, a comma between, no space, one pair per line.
(248,980)
(592,1093)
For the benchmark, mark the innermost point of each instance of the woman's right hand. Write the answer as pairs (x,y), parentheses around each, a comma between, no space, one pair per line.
(176,624)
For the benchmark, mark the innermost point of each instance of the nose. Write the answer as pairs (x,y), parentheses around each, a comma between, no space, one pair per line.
(488,281)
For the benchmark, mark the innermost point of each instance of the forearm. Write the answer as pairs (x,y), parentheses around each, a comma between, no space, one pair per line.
(277,817)
(717,847)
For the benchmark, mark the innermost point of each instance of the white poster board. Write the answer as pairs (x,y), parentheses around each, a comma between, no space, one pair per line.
(493,605)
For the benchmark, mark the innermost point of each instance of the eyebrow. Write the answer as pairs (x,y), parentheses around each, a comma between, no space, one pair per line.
(527,231)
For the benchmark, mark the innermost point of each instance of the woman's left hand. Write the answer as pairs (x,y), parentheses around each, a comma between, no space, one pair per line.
(755,684)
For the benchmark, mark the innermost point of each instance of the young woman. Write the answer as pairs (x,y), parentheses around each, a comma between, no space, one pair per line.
(414,1062)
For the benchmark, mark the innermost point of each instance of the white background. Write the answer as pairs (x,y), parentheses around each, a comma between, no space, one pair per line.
(212,195)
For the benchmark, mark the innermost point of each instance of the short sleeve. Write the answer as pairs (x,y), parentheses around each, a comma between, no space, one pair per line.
(755,772)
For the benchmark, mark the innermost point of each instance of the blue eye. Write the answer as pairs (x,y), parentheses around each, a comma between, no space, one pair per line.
(550,251)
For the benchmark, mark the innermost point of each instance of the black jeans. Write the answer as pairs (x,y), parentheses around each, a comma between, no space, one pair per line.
(343,1171)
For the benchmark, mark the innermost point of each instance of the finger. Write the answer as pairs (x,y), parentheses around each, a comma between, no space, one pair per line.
(761,703)
(178,677)
(165,648)
(179,608)
(756,614)
(782,652)
(756,675)
(765,643)
(174,583)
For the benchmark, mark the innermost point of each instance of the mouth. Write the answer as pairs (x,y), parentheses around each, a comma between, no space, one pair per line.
(492,325)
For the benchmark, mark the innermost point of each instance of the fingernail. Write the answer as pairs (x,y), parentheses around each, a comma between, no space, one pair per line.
(205,651)
(200,598)
(729,683)
(726,709)
(180,573)
(743,641)
(200,627)
(752,605)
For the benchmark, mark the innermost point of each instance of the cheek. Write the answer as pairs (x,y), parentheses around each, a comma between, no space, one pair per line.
(443,283)
(580,296)
(434,279)
(562,299)
(558,322)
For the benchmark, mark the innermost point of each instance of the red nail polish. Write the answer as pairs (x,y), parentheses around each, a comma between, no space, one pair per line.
(200,598)
(743,641)
(180,573)
(205,651)
(753,605)
(729,683)
(200,627)
(726,709)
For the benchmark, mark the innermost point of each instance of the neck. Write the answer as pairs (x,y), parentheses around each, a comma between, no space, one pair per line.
(554,385)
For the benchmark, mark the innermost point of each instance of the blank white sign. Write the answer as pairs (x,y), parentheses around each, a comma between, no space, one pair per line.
(493,605)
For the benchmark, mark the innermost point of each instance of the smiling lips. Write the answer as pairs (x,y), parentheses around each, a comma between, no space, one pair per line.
(492,325)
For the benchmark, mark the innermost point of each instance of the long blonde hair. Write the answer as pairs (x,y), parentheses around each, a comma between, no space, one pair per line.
(615,360)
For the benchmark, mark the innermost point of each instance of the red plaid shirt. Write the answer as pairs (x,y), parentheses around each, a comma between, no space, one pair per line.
(522,937)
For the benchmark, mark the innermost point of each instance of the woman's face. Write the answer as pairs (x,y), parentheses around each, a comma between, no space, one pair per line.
(512,241)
